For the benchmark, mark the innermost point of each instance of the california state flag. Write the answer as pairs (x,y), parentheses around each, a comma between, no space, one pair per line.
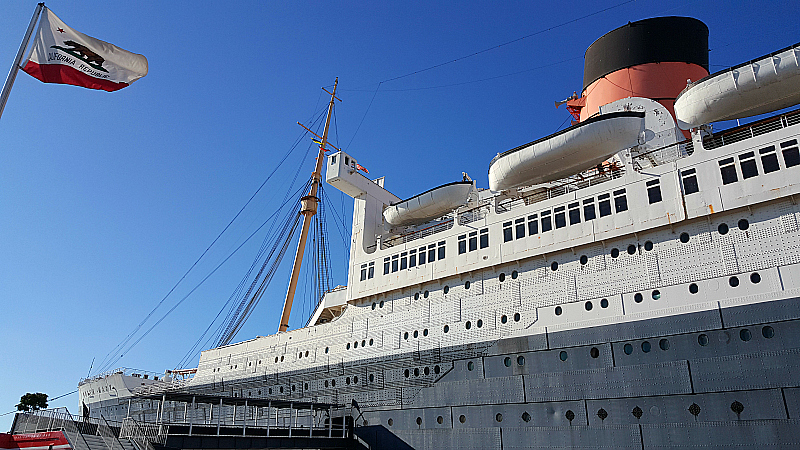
(63,55)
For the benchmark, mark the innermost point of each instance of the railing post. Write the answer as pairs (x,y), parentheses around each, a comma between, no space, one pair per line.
(290,419)
(330,421)
(190,420)
(311,420)
(219,415)
(244,422)
(269,411)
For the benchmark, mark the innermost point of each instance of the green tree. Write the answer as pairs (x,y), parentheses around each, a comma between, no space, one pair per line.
(32,402)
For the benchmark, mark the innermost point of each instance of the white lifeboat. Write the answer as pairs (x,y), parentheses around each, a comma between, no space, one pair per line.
(567,152)
(760,86)
(429,204)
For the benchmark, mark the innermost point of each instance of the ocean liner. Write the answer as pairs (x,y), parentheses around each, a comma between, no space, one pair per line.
(630,281)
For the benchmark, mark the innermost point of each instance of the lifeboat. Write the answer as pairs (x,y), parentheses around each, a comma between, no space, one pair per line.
(429,204)
(567,152)
(759,86)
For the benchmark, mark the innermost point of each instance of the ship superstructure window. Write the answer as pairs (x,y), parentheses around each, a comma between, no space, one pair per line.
(403,260)
(363,272)
(653,191)
(395,260)
(604,204)
(589,212)
(473,241)
(441,248)
(689,177)
(508,233)
(412,258)
(727,169)
(386,262)
(561,217)
(791,155)
(432,253)
(533,224)
(547,223)
(519,227)
(371,270)
(462,244)
(484,238)
(769,159)
(620,201)
(421,256)
(748,163)
(574,213)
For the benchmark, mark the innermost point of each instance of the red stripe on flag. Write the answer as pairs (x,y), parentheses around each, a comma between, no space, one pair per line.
(59,73)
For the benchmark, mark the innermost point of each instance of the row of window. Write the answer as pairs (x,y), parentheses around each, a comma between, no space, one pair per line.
(473,241)
(426,371)
(413,258)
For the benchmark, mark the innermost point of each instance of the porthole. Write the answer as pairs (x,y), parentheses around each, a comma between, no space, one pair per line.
(406,373)
(684,237)
(648,245)
(306,353)
(405,335)
(604,303)
(743,224)
(374,305)
(663,344)
(594,352)
(416,334)
(628,349)
(446,289)
(281,389)
(371,377)
(436,369)
(371,342)
(507,361)
(702,340)
(733,281)
(498,417)
(656,294)
(426,294)
(305,386)
(520,360)
(333,383)
(462,418)
(440,420)
(554,266)
(615,253)
(514,275)
(327,349)
(723,228)
(559,310)
(745,335)
(355,344)
(416,372)
(588,306)
(502,277)
(479,323)
(270,391)
(693,288)
(419,420)
(416,296)
(425,332)
(390,422)
(563,356)
(380,305)
(517,317)
(470,366)
(768,332)
(300,355)
(466,285)
(468,325)
(426,371)
(646,346)
(755,278)
(281,358)
(504,319)
(347,381)
(276,359)
(631,249)
(584,260)
(363,344)
(638,297)
(526,417)
(446,328)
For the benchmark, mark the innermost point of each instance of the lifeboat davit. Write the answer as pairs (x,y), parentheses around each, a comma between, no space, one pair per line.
(429,204)
(567,152)
(759,86)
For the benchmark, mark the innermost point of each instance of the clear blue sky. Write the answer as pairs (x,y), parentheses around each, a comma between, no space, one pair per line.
(106,199)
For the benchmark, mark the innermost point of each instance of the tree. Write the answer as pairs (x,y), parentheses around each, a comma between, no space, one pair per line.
(32,402)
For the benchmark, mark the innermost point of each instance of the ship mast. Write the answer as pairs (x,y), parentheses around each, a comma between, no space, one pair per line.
(308,208)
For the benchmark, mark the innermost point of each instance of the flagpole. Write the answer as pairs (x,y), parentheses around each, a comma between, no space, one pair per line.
(12,75)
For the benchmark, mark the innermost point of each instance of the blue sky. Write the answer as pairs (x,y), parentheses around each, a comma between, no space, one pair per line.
(106,199)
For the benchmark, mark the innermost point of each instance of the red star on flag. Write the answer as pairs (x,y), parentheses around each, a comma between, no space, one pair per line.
(60,30)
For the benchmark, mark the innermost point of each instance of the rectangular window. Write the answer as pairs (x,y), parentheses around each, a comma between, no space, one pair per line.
(519,226)
(462,244)
(791,157)
(346,161)
(769,159)
(589,212)
(533,224)
(333,159)
(620,201)
(441,250)
(473,241)
(508,234)
(485,238)
(394,263)
(574,213)
(432,253)
(371,272)
(653,191)
(727,169)
(386,265)
(363,272)
(403,260)
(604,204)
(412,258)
(421,256)
(561,218)
(547,223)
(689,177)
(748,163)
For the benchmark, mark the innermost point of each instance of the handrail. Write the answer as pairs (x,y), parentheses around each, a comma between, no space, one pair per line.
(108,430)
